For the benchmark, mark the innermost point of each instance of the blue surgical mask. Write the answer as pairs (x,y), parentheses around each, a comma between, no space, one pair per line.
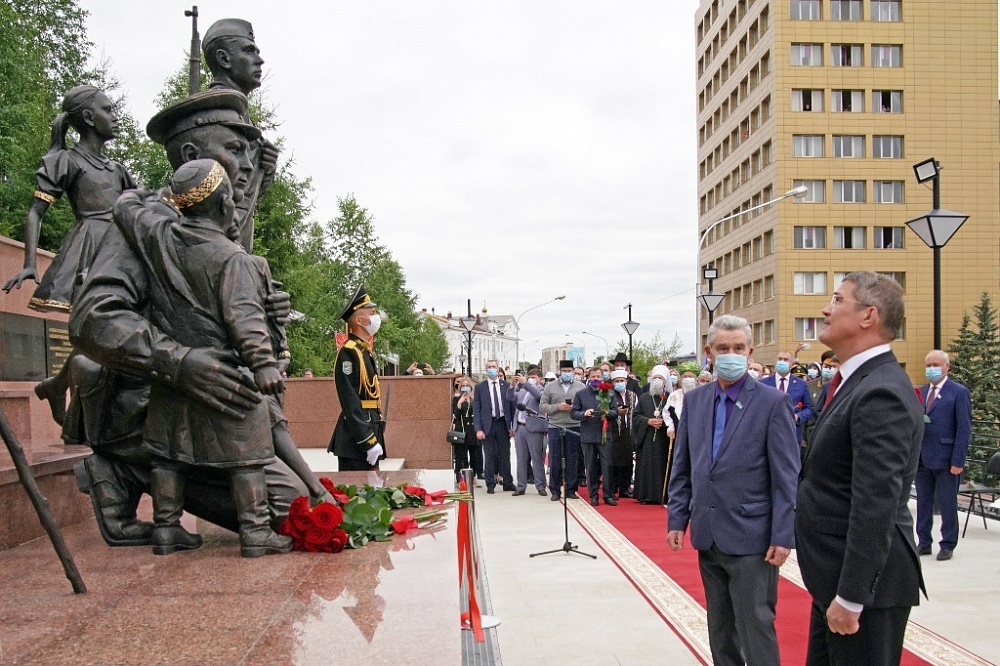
(782,367)
(828,374)
(606,375)
(730,366)
(620,387)
(566,377)
(492,373)
(813,373)
(933,374)
(466,389)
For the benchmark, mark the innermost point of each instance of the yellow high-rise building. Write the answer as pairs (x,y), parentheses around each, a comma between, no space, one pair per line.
(845,97)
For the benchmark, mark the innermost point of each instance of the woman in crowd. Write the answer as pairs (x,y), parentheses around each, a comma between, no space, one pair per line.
(652,443)
(470,453)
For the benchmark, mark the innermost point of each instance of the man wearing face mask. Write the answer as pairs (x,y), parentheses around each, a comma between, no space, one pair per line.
(359,438)
(493,415)
(529,433)
(794,387)
(755,369)
(564,445)
(623,403)
(596,447)
(621,362)
(736,463)
(947,431)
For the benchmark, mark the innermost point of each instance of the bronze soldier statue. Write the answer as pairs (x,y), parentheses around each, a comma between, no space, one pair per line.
(358,439)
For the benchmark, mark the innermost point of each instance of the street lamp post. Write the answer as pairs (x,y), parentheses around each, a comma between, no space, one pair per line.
(935,228)
(712,297)
(630,328)
(607,349)
(711,300)
(517,322)
(469,323)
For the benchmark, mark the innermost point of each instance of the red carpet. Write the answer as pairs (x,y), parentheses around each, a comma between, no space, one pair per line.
(646,527)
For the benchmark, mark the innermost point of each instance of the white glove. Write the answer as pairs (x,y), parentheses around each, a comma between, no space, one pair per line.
(374,453)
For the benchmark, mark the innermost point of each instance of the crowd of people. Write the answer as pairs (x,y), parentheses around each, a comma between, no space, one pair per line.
(753,460)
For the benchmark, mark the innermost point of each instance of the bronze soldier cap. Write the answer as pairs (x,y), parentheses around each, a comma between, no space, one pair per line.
(218,106)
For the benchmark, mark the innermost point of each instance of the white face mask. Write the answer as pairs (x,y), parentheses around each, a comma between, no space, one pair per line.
(688,383)
(532,381)
(656,386)
(374,323)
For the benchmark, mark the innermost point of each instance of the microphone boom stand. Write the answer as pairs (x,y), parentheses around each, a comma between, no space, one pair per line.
(567,546)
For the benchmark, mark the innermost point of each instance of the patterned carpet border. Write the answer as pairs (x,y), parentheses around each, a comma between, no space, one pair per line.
(686,616)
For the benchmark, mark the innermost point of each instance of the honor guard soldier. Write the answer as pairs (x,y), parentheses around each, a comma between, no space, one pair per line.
(358,438)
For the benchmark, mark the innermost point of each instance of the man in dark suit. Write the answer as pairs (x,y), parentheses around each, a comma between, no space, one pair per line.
(736,460)
(853,529)
(493,419)
(947,431)
(596,447)
(794,387)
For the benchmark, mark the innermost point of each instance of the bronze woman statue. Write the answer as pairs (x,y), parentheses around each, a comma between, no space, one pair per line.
(92,182)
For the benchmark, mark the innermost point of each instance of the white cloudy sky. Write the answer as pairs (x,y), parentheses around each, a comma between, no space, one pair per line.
(510,151)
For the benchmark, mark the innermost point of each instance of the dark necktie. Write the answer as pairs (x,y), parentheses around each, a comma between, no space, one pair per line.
(497,411)
(720,425)
(930,398)
(782,387)
(834,385)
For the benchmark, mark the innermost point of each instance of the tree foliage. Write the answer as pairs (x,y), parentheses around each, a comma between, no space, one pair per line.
(975,361)
(648,353)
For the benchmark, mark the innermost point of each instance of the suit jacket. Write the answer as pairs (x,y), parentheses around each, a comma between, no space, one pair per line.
(744,500)
(798,393)
(529,396)
(591,427)
(853,529)
(482,405)
(947,436)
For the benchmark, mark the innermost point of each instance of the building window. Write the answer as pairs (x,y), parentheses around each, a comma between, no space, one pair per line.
(807,54)
(885,10)
(807,100)
(849,191)
(889,147)
(805,10)
(809,283)
(888,191)
(849,238)
(815,190)
(848,101)
(846,55)
(769,288)
(810,238)
(845,10)
(888,238)
(887,55)
(887,101)
(758,333)
(807,145)
(848,146)
(898,276)
(807,328)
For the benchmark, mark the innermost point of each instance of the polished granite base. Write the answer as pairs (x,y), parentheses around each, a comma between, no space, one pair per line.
(394,602)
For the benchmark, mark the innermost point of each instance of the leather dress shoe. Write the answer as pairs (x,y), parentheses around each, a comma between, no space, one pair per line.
(625,495)
(554,498)
(924,550)
(572,495)
(594,501)
(944,554)
(541,491)
(490,491)
(611,501)
(517,492)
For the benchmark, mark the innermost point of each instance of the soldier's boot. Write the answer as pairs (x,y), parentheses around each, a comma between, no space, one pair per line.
(168,505)
(53,389)
(114,502)
(250,496)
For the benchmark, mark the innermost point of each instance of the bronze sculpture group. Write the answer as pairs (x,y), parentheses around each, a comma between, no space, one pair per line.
(178,329)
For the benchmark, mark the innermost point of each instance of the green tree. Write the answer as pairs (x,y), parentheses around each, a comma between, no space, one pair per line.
(648,353)
(428,346)
(43,53)
(975,362)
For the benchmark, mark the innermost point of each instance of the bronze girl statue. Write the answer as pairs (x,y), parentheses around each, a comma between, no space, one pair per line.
(92,182)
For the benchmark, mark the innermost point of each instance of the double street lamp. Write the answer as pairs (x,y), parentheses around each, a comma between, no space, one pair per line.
(935,228)
(469,323)
(630,327)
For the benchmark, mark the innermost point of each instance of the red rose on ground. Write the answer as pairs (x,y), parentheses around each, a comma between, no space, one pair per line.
(317,537)
(337,541)
(328,484)
(300,523)
(340,496)
(327,516)
(299,506)
(414,490)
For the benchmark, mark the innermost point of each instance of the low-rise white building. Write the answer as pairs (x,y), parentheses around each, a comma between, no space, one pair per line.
(492,338)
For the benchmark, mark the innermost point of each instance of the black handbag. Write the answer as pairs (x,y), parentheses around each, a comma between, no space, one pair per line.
(455,436)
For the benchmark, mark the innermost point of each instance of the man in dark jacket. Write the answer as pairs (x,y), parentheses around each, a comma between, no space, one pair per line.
(596,450)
